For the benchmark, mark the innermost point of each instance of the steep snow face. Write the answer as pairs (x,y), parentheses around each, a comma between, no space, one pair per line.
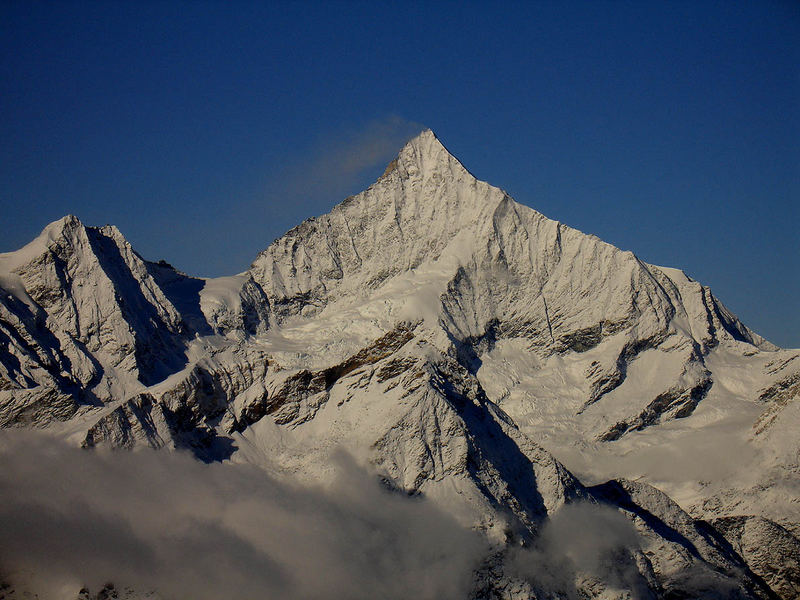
(411,215)
(97,296)
(428,210)
(80,312)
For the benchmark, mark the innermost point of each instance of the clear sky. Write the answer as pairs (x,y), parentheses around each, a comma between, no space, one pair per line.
(205,130)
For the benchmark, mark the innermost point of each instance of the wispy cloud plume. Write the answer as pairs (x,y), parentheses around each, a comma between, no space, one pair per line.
(335,164)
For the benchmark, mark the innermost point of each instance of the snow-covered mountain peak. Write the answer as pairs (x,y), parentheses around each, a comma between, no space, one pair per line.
(62,228)
(426,206)
(57,227)
(491,266)
(425,156)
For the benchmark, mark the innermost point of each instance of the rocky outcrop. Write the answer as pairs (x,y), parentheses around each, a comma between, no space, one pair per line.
(779,395)
(770,551)
(689,558)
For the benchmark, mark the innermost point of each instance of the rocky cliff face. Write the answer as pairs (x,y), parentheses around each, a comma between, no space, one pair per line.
(461,342)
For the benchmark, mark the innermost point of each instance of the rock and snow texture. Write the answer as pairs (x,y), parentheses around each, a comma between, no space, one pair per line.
(463,344)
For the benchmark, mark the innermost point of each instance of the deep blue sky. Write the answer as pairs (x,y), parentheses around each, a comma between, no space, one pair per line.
(204,131)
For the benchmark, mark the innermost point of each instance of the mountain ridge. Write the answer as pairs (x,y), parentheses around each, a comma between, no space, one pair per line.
(436,328)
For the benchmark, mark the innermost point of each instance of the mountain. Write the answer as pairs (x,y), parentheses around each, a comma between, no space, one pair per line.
(473,352)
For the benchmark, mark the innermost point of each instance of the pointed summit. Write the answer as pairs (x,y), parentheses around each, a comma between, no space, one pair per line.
(64,228)
(423,139)
(424,155)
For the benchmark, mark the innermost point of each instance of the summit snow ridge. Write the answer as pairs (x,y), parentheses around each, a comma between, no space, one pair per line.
(434,327)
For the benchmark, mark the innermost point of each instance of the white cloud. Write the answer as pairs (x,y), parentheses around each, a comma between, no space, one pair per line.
(163,521)
(582,541)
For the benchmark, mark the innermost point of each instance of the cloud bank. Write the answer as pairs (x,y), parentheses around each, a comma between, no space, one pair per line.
(163,521)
